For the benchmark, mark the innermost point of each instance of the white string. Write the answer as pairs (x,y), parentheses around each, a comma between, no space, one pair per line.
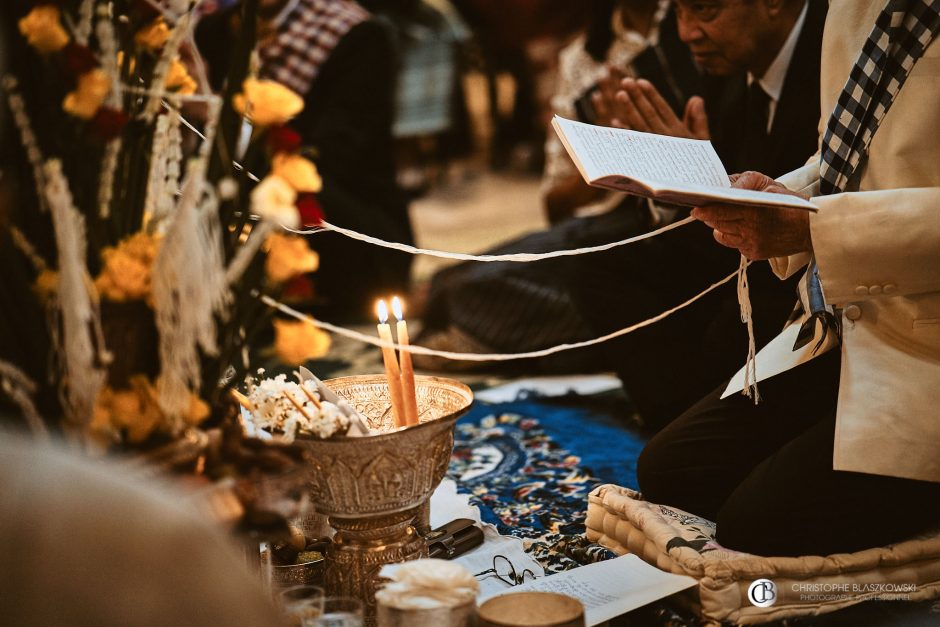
(517,257)
(744,300)
(188,125)
(422,350)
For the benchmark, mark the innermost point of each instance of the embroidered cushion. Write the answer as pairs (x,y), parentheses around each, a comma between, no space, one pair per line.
(678,542)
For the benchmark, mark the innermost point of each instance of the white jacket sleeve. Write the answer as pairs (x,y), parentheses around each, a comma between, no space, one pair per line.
(806,181)
(888,240)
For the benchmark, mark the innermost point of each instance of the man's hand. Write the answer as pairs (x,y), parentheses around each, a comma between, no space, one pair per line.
(640,107)
(758,232)
(604,99)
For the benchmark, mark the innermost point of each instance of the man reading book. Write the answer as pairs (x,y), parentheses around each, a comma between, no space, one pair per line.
(771,45)
(841,453)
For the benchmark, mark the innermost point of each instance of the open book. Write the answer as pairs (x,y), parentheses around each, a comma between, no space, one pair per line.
(669,169)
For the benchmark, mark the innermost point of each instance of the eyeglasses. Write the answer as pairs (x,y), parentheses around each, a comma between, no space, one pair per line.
(506,572)
(701,11)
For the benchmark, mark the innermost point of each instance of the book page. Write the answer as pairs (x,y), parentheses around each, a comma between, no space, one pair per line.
(646,157)
(611,588)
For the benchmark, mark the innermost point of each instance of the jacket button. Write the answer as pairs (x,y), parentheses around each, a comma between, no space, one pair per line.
(874,290)
(853,312)
(890,288)
(861,290)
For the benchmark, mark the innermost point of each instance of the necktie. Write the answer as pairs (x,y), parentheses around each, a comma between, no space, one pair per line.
(902,32)
(755,126)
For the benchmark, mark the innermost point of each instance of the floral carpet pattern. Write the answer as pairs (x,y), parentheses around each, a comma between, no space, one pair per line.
(525,482)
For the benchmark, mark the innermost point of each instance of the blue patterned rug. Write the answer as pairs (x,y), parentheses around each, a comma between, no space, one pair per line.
(530,464)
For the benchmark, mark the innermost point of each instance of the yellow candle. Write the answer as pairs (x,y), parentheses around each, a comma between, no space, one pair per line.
(407,370)
(392,373)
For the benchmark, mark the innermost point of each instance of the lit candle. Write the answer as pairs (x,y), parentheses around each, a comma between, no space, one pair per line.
(392,373)
(407,371)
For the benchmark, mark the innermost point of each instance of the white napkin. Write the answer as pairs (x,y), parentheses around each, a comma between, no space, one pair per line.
(427,584)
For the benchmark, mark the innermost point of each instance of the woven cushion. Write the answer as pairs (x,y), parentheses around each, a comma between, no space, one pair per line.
(678,542)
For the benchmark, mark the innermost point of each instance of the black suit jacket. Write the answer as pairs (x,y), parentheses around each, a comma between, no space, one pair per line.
(668,366)
(793,136)
(347,119)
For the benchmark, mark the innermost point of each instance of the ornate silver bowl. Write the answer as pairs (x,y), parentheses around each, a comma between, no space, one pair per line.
(373,487)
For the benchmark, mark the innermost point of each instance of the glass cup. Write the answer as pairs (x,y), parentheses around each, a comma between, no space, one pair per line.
(302,605)
(340,612)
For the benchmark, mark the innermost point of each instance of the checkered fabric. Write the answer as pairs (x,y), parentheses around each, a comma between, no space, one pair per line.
(902,32)
(304,40)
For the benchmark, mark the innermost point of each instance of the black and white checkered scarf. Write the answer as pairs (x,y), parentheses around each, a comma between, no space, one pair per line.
(902,32)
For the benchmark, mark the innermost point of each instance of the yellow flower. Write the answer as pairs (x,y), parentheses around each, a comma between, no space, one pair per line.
(267,102)
(296,341)
(43,30)
(299,172)
(179,80)
(127,269)
(136,410)
(142,246)
(273,199)
(197,412)
(46,285)
(288,256)
(154,35)
(93,87)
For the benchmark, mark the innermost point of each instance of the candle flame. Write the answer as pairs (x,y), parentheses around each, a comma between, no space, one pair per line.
(382,310)
(396,308)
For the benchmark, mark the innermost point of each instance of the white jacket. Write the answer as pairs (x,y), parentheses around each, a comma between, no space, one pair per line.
(878,251)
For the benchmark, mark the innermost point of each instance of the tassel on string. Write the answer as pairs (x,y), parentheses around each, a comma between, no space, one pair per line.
(189,290)
(27,137)
(104,31)
(168,54)
(78,307)
(83,27)
(744,300)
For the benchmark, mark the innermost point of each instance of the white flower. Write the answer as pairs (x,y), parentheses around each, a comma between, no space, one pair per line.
(273,199)
(228,188)
(274,411)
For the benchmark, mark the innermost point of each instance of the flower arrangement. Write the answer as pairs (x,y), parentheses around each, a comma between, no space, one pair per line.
(160,244)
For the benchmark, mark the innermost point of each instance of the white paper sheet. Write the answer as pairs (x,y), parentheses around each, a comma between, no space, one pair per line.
(611,588)
(778,356)
(549,386)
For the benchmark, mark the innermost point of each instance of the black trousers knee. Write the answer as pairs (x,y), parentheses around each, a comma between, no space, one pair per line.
(764,473)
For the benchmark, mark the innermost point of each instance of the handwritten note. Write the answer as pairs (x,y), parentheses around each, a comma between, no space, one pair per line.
(611,588)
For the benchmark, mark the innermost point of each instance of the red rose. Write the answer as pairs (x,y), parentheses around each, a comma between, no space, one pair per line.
(283,139)
(79,59)
(298,289)
(107,123)
(311,214)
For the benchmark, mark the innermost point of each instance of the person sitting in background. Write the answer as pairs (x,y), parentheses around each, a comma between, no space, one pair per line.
(511,307)
(761,61)
(89,543)
(343,62)
(430,112)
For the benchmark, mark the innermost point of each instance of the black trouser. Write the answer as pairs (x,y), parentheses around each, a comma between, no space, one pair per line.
(668,366)
(764,473)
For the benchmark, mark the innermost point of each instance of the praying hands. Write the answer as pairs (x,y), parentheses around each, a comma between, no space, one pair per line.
(638,106)
(758,232)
